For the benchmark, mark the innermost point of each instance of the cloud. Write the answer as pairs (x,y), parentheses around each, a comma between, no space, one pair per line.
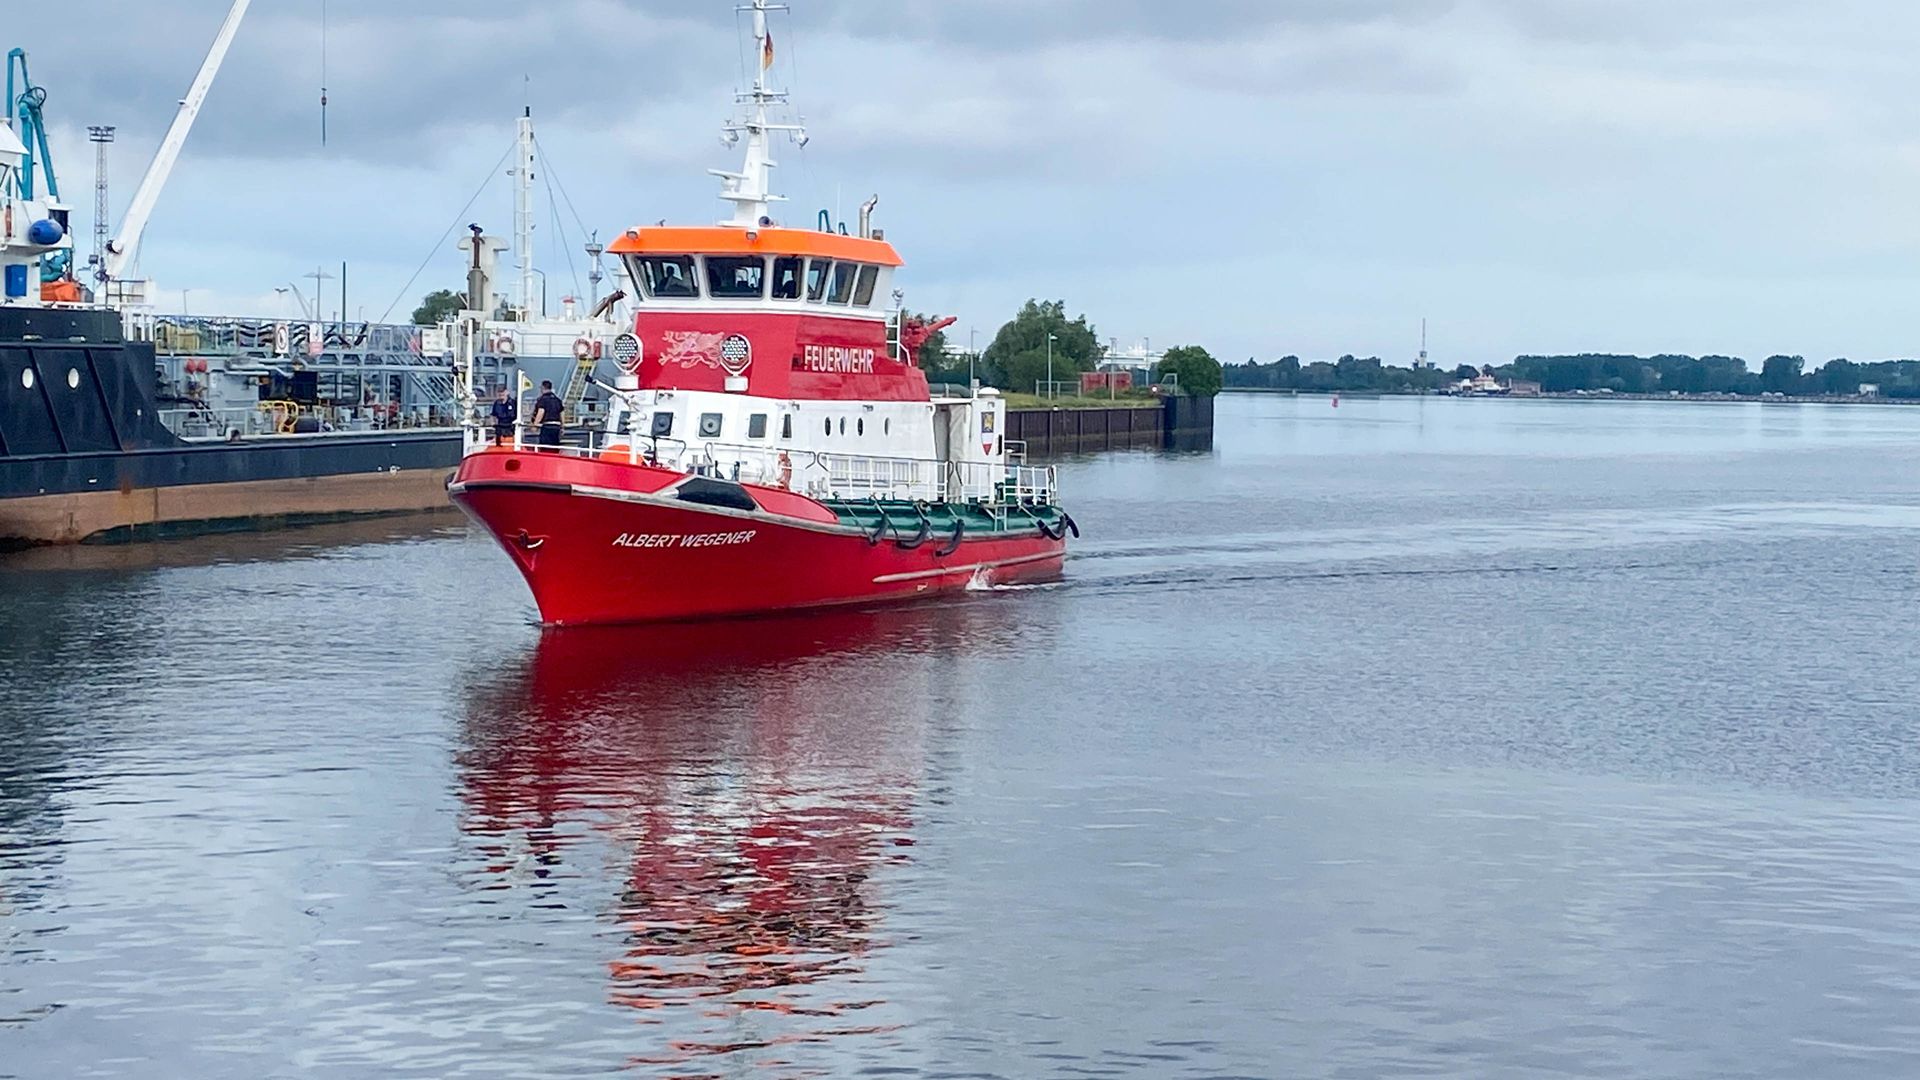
(1269,176)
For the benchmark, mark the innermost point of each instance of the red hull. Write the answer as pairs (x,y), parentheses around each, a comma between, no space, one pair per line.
(602,554)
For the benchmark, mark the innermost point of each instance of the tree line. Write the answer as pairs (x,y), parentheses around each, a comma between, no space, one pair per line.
(1017,358)
(1347,373)
(1620,374)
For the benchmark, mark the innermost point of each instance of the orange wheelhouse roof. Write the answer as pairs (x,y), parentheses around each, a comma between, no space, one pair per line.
(730,240)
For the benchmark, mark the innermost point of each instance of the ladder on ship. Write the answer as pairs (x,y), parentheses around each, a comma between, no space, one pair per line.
(577,382)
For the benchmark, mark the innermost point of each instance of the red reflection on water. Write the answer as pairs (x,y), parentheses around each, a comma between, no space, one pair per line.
(759,773)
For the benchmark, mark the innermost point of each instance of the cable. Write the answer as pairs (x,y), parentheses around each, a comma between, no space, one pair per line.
(793,88)
(554,175)
(491,173)
(560,230)
(323,76)
(554,181)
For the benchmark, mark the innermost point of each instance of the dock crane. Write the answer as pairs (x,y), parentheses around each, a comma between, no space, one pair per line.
(125,244)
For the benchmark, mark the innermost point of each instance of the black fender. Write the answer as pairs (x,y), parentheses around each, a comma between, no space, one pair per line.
(880,531)
(953,543)
(1048,532)
(1066,520)
(711,492)
(921,537)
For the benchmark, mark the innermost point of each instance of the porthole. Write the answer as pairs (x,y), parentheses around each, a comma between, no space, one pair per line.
(26,378)
(843,425)
(73,378)
(860,426)
(829,423)
(886,426)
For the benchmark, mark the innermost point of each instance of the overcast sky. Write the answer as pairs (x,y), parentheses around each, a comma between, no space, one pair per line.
(1258,176)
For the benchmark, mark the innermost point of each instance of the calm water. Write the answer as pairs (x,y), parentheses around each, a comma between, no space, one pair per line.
(1407,738)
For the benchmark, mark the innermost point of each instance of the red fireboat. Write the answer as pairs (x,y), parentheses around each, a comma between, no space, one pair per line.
(771,442)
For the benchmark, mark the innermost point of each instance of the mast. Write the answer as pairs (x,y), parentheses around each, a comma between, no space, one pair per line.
(523,213)
(126,244)
(751,189)
(101,136)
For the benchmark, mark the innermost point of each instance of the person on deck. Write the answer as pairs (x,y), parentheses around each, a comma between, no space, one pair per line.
(546,415)
(505,414)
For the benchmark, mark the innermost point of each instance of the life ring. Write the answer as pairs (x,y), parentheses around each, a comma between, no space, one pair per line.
(503,345)
(786,471)
(584,348)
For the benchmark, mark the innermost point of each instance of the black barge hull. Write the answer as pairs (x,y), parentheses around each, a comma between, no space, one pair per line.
(84,457)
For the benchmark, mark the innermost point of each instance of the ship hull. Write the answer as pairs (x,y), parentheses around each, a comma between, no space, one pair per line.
(625,557)
(221,487)
(161,513)
(84,456)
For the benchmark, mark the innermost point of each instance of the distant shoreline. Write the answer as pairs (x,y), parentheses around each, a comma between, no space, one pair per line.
(1587,395)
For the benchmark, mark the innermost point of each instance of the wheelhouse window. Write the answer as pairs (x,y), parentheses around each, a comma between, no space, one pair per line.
(843,275)
(786,426)
(817,279)
(757,426)
(736,277)
(710,425)
(667,276)
(787,273)
(863,288)
(662,424)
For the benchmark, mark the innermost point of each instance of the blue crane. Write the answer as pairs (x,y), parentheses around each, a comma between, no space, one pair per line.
(23,102)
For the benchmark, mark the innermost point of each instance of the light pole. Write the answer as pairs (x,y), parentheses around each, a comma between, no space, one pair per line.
(320,277)
(973,354)
(183,302)
(1052,391)
(543,293)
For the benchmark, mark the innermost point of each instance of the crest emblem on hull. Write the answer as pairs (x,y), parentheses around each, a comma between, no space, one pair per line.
(690,348)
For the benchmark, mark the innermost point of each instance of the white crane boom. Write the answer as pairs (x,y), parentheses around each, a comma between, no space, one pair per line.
(121,250)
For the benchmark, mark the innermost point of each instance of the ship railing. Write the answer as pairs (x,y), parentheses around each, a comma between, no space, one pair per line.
(282,418)
(992,482)
(216,335)
(818,474)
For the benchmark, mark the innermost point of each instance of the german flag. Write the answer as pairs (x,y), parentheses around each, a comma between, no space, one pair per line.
(766,52)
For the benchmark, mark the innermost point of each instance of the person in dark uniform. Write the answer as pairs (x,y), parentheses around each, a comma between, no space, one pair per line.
(505,413)
(546,415)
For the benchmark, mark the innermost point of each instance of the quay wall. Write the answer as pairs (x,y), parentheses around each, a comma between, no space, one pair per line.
(1176,423)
